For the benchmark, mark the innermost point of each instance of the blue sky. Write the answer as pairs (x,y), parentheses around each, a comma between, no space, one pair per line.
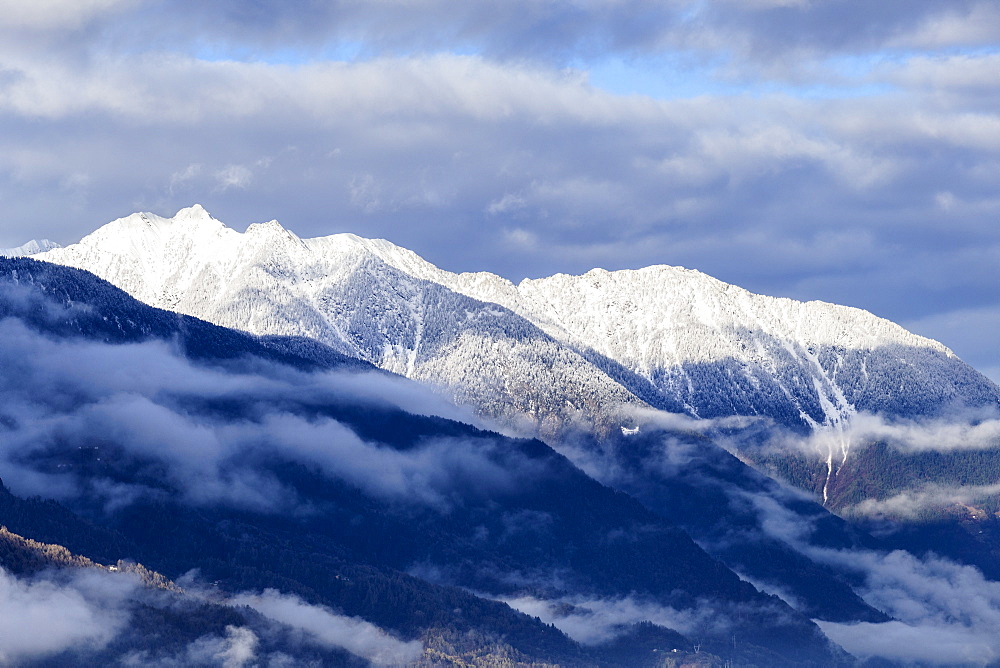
(816,149)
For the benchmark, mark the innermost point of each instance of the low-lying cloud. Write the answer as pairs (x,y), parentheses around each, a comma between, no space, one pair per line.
(944,613)
(49,614)
(962,430)
(593,621)
(201,432)
(238,648)
(918,644)
(923,500)
(321,626)
(76,612)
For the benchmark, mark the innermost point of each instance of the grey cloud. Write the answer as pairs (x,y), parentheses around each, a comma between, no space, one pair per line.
(964,23)
(785,186)
(957,80)
(762,31)
(503,29)
(58,15)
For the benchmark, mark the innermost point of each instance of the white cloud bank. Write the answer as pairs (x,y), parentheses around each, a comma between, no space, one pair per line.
(140,401)
(947,613)
(944,613)
(593,621)
(42,616)
(324,627)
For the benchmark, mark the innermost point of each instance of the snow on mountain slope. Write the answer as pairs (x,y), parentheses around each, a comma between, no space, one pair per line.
(555,347)
(713,349)
(347,292)
(685,335)
(686,342)
(33,247)
(686,332)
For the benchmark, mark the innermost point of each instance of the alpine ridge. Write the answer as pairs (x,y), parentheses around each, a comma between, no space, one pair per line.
(667,337)
(356,296)
(33,247)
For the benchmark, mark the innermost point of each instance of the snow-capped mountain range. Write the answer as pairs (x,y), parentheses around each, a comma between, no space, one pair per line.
(552,351)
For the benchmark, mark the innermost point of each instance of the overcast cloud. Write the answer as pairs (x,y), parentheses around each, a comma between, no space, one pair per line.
(817,149)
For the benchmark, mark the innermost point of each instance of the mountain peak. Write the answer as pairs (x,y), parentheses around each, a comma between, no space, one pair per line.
(273,232)
(193,212)
(270,227)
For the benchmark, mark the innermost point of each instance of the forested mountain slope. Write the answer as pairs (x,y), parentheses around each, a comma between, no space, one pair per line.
(340,487)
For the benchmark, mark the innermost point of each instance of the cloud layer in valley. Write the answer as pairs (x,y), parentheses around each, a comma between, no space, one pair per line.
(75,612)
(943,612)
(593,621)
(807,149)
(43,616)
(326,628)
(145,405)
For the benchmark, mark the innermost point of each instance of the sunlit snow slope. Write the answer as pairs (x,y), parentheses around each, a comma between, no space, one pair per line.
(355,295)
(33,247)
(551,352)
